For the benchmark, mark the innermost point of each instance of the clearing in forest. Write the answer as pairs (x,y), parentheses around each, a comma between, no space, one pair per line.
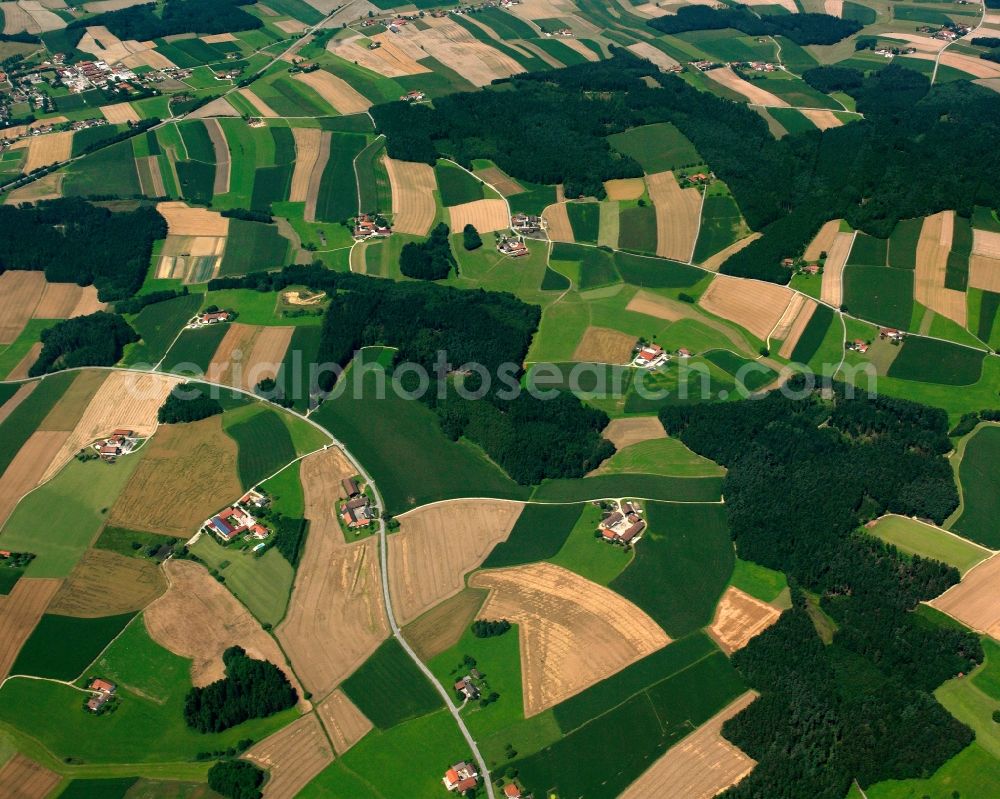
(752,304)
(573,633)
(625,188)
(438,545)
(738,618)
(413,187)
(292,757)
(634,430)
(824,120)
(678,216)
(66,300)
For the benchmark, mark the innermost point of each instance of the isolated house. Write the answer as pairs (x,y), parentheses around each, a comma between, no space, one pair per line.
(461,777)
(214,318)
(356,512)
(466,688)
(623,526)
(650,356)
(103,691)
(511,791)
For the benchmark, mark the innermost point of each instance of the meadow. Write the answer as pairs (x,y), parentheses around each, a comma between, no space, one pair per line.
(903,243)
(917,538)
(61,647)
(403,692)
(657,147)
(753,379)
(375,192)
(980,490)
(929,360)
(869,251)
(646,486)
(880,294)
(159,324)
(585,219)
(338,189)
(538,534)
(758,581)
(721,222)
(972,772)
(148,725)
(681,540)
(264,441)
(456,185)
(637,229)
(293,376)
(108,171)
(589,557)
(663,456)
(253,247)
(812,337)
(194,349)
(658,273)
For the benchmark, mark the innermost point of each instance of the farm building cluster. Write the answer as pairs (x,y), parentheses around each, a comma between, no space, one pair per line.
(120,442)
(212,317)
(356,513)
(650,356)
(461,777)
(371,226)
(103,692)
(622,525)
(512,246)
(527,224)
(894,336)
(238,519)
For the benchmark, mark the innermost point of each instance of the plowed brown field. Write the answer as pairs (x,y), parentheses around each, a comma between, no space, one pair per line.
(105,583)
(345,724)
(738,618)
(976,600)
(755,305)
(293,756)
(22,778)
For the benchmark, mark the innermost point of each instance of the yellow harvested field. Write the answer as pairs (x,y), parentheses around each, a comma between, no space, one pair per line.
(823,120)
(22,393)
(148,58)
(442,626)
(262,108)
(650,53)
(105,583)
(784,325)
(823,241)
(119,113)
(265,357)
(292,757)
(413,187)
(219,107)
(604,345)
(25,779)
(222,160)
(26,469)
(19,296)
(557,223)
(66,300)
(291,25)
(654,305)
(438,545)
(984,273)
(832,288)
(543,9)
(198,618)
(835,8)
(388,60)
(499,180)
(738,618)
(486,215)
(336,616)
(182,220)
(230,357)
(47,187)
(715,261)
(336,91)
(316,176)
(50,148)
(795,332)
(581,48)
(215,38)
(976,600)
(701,766)
(572,632)
(920,41)
(67,411)
(971,65)
(103,44)
(625,188)
(44,19)
(458,49)
(752,304)
(756,95)
(187,473)
(17,20)
(307,147)
(125,400)
(634,430)
(985,242)
(933,248)
(678,216)
(344,723)
(20,611)
(20,372)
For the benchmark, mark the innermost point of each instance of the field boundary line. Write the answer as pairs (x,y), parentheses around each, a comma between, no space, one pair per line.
(697,232)
(956,585)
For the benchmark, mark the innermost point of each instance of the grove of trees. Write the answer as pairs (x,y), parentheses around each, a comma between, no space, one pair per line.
(175,16)
(800,28)
(431,259)
(236,779)
(191,407)
(98,339)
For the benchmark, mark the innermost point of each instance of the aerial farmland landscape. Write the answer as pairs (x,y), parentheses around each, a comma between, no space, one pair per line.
(507,399)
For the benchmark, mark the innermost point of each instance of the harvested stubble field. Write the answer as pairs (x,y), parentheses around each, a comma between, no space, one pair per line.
(20,371)
(336,91)
(187,473)
(292,756)
(262,108)
(604,345)
(798,327)
(105,583)
(625,188)
(557,220)
(125,400)
(456,48)
(344,723)
(485,215)
(751,304)
(438,545)
(183,220)
(336,617)
(824,120)
(701,766)
(51,148)
(715,261)
(823,241)
(249,354)
(66,300)
(986,242)
(413,188)
(48,187)
(573,633)
(308,143)
(20,611)
(500,181)
(26,779)
(222,159)
(933,248)
(971,65)
(65,414)
(654,305)
(738,618)
(388,60)
(984,273)
(832,288)
(650,53)
(26,470)
(784,325)
(725,76)
(678,216)
(119,113)
(198,618)
(976,600)
(626,432)
(19,295)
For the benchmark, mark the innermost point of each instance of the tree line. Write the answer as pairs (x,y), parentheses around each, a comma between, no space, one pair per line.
(192,407)
(431,259)
(803,29)
(803,476)
(175,16)
(98,339)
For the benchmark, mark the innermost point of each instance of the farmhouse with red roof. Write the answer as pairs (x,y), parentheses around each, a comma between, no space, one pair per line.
(461,777)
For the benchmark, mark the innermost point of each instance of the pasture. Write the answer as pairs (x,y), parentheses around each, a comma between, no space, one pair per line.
(883,295)
(662,456)
(61,647)
(813,335)
(405,693)
(929,360)
(264,442)
(442,626)
(980,491)
(538,534)
(656,147)
(337,197)
(159,324)
(591,558)
(919,538)
(192,352)
(681,540)
(253,247)
(758,581)
(456,185)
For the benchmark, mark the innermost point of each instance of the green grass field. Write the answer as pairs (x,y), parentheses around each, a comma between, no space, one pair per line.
(880,294)
(264,441)
(405,451)
(197,141)
(758,581)
(918,538)
(61,647)
(373,180)
(285,490)
(791,119)
(656,147)
(637,228)
(903,243)
(929,360)
(74,505)
(750,374)
(196,181)
(586,267)
(589,556)
(122,541)
(869,251)
(585,219)
(293,376)
(263,584)
(159,324)
(147,727)
(664,456)
(812,337)
(253,247)
(681,540)
(973,772)
(659,273)
(338,188)
(980,488)
(12,354)
(403,692)
(647,486)
(538,534)
(456,185)
(108,171)
(114,788)
(193,351)
(721,224)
